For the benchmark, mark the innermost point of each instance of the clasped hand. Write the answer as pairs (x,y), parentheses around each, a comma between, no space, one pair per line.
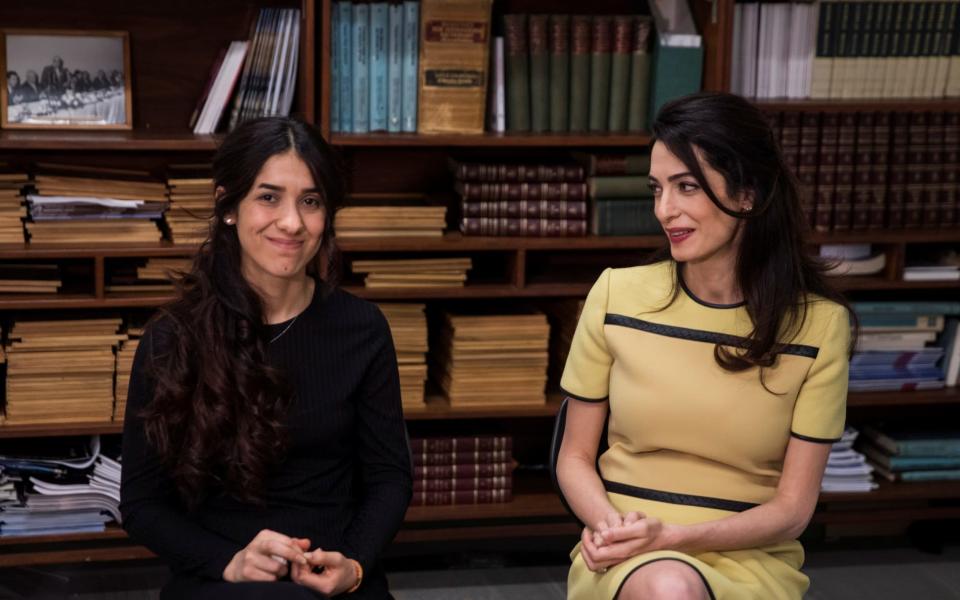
(271,555)
(617,538)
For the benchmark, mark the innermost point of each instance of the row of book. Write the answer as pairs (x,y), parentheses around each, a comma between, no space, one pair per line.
(874,169)
(905,346)
(255,77)
(417,273)
(374,61)
(58,487)
(572,73)
(846,49)
(462,470)
(902,453)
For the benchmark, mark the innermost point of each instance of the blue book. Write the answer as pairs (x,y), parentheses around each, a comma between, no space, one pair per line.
(378,66)
(345,55)
(411,64)
(395,68)
(915,443)
(906,308)
(361,68)
(908,463)
(335,68)
(905,321)
(925,357)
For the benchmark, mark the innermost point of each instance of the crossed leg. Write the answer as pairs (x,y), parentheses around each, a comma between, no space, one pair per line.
(664,580)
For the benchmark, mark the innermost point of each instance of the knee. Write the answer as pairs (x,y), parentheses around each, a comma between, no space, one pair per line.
(664,582)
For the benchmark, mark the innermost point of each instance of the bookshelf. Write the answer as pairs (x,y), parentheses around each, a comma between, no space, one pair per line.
(172,46)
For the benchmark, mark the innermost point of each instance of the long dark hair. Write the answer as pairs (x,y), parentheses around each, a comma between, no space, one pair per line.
(775,273)
(218,407)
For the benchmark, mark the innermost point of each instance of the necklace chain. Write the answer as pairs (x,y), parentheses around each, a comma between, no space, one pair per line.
(285,329)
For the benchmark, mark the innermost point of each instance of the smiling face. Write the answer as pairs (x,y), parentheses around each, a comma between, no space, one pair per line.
(698,231)
(280,222)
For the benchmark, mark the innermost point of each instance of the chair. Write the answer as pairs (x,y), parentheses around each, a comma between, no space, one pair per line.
(559,425)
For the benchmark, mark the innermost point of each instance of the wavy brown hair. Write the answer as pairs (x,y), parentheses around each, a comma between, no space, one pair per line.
(775,272)
(216,417)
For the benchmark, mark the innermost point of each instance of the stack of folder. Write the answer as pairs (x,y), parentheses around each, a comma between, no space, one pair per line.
(408,325)
(416,273)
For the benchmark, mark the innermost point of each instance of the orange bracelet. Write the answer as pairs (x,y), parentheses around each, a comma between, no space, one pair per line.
(358,571)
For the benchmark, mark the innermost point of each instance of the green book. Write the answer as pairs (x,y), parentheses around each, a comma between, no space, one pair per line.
(915,443)
(559,73)
(539,74)
(908,463)
(623,216)
(619,186)
(518,70)
(579,73)
(677,63)
(639,96)
(620,73)
(600,59)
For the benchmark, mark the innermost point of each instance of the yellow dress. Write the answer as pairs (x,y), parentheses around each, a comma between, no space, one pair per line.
(690,442)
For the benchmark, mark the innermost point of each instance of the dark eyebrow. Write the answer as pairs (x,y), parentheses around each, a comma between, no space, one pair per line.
(675,177)
(278,188)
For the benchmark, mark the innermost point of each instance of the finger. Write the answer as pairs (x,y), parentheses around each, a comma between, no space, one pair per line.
(288,551)
(267,564)
(254,572)
(302,543)
(327,559)
(632,517)
(640,529)
(614,520)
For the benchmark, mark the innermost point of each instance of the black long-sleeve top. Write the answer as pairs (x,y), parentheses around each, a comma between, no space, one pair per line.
(345,482)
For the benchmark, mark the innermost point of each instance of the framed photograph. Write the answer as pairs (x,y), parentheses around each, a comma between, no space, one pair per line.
(65,79)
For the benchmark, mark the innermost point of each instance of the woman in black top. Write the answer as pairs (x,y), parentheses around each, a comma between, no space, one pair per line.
(264,450)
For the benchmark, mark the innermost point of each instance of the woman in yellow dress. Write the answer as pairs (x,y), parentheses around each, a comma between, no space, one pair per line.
(723,367)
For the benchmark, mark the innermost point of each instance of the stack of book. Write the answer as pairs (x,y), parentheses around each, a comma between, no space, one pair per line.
(155,277)
(191,207)
(522,199)
(12,210)
(874,169)
(69,209)
(404,219)
(575,73)
(898,348)
(60,490)
(125,353)
(61,371)
(563,316)
(374,62)
(847,470)
(258,75)
(408,325)
(462,470)
(489,360)
(29,279)
(414,272)
(853,259)
(621,200)
(900,454)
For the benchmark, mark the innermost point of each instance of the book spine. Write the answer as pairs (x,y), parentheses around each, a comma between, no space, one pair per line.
(524,227)
(379,20)
(497,109)
(522,191)
(638,102)
(622,216)
(629,186)
(827,171)
(335,68)
(809,157)
(345,56)
(529,209)
(620,164)
(934,213)
(600,60)
(454,444)
(360,69)
(559,43)
(446,471)
(843,195)
(461,497)
(411,64)
(539,74)
(395,68)
(823,59)
(620,73)
(518,72)
(463,484)
(916,170)
(863,172)
(513,173)
(879,165)
(461,457)
(951,159)
(579,73)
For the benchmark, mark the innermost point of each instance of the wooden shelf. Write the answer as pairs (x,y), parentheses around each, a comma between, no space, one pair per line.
(58,430)
(490,139)
(889,491)
(437,408)
(853,283)
(132,141)
(886,236)
(916,398)
(863,104)
(456,242)
(106,250)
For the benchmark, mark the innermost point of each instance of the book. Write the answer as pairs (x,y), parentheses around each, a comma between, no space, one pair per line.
(615,163)
(517,62)
(920,474)
(517,172)
(639,75)
(908,463)
(455,443)
(915,442)
(559,77)
(601,56)
(619,186)
(497,107)
(455,471)
(379,30)
(345,59)
(335,68)
(460,457)
(529,209)
(539,73)
(395,68)
(411,65)
(620,73)
(461,497)
(463,484)
(580,59)
(907,308)
(222,87)
(524,227)
(360,67)
(623,216)
(677,62)
(469,190)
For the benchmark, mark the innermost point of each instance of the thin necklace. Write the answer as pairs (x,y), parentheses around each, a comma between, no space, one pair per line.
(285,329)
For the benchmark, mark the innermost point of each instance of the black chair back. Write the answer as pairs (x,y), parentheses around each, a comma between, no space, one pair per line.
(556,440)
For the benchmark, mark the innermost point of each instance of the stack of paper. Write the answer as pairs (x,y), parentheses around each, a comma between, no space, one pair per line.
(417,273)
(408,325)
(390,221)
(156,276)
(12,210)
(191,207)
(61,371)
(847,469)
(492,359)
(29,279)
(125,354)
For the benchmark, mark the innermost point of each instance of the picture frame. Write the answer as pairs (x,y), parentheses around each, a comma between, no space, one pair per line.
(65,79)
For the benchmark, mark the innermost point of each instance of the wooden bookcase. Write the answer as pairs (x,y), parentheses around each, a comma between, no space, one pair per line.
(173,44)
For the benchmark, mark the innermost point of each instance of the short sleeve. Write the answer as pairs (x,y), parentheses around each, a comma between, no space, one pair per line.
(586,375)
(820,410)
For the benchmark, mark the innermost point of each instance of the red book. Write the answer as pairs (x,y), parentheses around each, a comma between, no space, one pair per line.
(459,471)
(461,457)
(524,227)
(827,171)
(465,443)
(463,484)
(528,209)
(461,497)
(522,191)
(513,173)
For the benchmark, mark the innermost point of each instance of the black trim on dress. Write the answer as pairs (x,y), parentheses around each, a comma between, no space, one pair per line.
(675,498)
(583,398)
(692,296)
(815,440)
(700,335)
(650,562)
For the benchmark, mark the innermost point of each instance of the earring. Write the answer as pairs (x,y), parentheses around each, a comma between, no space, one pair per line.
(229,220)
